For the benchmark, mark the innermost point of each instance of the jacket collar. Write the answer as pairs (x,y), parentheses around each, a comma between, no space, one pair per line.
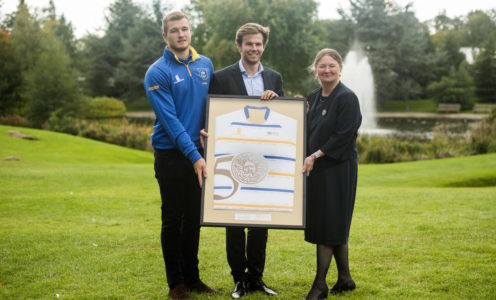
(193,56)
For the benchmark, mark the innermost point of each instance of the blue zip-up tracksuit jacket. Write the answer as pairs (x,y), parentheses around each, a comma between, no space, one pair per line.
(177,91)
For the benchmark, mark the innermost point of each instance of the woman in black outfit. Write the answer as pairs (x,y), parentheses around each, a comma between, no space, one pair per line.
(331,166)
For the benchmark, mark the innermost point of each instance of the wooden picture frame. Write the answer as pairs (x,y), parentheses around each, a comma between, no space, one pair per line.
(254,155)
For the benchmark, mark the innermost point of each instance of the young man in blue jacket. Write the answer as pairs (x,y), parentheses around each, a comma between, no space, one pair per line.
(177,86)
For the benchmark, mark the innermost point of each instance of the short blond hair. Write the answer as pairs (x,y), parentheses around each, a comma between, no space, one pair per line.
(326,51)
(173,16)
(252,28)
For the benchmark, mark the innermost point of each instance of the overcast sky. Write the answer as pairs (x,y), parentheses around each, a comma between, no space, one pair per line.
(88,16)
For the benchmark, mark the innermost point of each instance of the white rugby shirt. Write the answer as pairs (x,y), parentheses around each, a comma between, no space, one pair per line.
(255,163)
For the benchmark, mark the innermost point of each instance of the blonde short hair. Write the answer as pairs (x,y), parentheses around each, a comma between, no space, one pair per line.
(326,51)
(173,16)
(252,28)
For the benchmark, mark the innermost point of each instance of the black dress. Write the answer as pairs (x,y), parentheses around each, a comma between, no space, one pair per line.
(333,124)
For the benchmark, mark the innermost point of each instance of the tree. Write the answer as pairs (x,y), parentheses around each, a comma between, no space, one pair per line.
(457,87)
(143,45)
(485,71)
(293,37)
(10,77)
(336,34)
(396,44)
(24,40)
(101,54)
(444,23)
(478,27)
(50,85)
(26,37)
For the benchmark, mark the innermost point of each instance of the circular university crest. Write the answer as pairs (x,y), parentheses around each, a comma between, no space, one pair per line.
(249,167)
(203,74)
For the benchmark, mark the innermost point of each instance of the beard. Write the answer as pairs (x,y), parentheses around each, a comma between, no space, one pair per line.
(178,48)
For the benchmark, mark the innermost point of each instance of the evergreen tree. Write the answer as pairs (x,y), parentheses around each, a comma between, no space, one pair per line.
(26,41)
(26,37)
(485,72)
(50,85)
(457,87)
(10,77)
(140,49)
(102,54)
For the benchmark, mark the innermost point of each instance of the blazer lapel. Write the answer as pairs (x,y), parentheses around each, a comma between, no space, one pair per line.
(238,79)
(266,81)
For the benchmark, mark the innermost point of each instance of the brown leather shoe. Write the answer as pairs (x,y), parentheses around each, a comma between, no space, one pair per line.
(200,287)
(179,292)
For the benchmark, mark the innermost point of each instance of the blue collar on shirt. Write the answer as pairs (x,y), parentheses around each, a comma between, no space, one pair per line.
(254,84)
(243,70)
(248,107)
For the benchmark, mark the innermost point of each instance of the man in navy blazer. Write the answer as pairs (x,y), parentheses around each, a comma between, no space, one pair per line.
(247,77)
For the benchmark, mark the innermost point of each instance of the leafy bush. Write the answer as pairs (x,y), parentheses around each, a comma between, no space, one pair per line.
(114,131)
(117,131)
(62,122)
(14,120)
(483,138)
(442,144)
(105,107)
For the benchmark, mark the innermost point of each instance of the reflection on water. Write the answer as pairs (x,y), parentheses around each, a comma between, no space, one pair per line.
(426,127)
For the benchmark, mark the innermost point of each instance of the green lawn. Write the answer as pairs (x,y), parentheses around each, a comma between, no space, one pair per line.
(81,219)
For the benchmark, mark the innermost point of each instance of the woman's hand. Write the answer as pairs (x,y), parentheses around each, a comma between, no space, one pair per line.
(308,164)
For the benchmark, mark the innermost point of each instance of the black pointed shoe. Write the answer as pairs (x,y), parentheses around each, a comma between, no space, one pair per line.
(259,285)
(343,287)
(316,293)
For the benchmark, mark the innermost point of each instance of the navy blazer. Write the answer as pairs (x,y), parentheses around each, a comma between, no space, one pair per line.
(332,126)
(229,81)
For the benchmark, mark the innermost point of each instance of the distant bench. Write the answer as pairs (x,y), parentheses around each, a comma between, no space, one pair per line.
(483,108)
(448,108)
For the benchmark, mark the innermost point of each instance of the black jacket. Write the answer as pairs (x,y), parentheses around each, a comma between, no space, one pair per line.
(229,81)
(332,126)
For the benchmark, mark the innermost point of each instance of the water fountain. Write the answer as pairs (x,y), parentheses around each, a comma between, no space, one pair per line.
(357,75)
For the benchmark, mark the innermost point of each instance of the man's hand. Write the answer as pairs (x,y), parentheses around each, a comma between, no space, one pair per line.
(203,136)
(201,170)
(268,95)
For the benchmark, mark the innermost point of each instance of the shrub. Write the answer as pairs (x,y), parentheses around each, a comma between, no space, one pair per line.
(117,131)
(105,107)
(375,149)
(62,122)
(483,138)
(14,120)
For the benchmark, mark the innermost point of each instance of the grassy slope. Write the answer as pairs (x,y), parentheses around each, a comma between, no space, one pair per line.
(81,219)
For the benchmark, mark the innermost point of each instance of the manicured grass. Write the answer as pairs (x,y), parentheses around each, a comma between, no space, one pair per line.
(420,105)
(81,219)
